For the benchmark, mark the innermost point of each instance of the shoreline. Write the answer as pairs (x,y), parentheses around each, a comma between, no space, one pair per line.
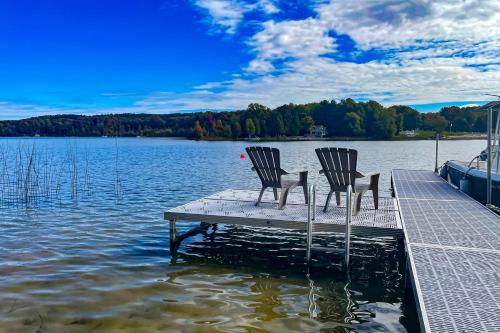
(274,139)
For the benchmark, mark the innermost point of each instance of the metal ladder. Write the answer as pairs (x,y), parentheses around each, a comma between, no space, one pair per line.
(311,218)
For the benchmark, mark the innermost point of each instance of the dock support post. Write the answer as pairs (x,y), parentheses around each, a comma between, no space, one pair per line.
(488,177)
(437,153)
(348,219)
(311,216)
(173,235)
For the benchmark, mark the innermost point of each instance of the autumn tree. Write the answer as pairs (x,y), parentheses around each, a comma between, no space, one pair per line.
(198,130)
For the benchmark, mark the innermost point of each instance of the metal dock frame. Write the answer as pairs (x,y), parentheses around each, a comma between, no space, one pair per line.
(237,207)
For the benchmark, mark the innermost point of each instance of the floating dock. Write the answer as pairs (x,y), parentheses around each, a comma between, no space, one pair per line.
(237,207)
(452,241)
(453,247)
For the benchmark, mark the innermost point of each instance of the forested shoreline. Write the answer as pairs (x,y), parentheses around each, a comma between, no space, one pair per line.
(345,118)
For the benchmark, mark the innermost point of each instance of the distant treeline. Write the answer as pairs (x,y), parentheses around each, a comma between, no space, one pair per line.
(346,118)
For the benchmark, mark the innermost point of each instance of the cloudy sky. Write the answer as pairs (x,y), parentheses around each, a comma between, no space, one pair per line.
(110,56)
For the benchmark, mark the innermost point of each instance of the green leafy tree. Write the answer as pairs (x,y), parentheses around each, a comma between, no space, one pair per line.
(435,122)
(353,123)
(412,119)
(344,118)
(384,124)
(249,127)
(280,124)
(307,123)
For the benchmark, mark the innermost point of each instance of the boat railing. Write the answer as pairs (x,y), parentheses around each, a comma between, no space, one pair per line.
(472,161)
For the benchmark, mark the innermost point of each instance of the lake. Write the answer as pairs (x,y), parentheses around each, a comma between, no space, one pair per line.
(84,247)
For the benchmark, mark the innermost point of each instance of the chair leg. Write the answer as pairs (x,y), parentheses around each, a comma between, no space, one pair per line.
(375,198)
(284,195)
(275,191)
(374,187)
(328,201)
(357,207)
(306,195)
(260,196)
(337,197)
(303,180)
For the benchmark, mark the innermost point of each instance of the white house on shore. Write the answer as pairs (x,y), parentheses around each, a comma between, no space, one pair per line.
(408,133)
(317,131)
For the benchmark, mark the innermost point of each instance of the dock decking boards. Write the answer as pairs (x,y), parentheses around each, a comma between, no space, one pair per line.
(238,207)
(453,245)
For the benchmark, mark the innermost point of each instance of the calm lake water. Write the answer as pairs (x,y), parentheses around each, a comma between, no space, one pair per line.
(84,247)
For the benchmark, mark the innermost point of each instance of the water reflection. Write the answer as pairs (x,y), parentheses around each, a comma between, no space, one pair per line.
(281,286)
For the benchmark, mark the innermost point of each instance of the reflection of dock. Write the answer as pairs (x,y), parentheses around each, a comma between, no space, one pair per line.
(453,246)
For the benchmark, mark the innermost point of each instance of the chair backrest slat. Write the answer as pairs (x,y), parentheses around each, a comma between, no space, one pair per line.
(339,166)
(266,158)
(325,158)
(259,158)
(266,162)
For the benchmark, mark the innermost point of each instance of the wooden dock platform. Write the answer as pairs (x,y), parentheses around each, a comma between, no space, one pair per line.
(453,246)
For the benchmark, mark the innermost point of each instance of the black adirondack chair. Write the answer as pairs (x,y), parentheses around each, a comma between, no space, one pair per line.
(339,167)
(266,162)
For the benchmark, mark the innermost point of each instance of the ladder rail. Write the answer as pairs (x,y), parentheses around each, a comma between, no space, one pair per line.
(311,217)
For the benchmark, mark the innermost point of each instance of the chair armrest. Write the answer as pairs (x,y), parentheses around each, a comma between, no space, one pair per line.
(366,174)
(296,171)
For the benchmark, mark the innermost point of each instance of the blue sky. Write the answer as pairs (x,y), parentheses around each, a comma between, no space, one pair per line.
(108,56)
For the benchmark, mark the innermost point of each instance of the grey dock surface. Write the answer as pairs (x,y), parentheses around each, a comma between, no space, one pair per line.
(453,245)
(237,207)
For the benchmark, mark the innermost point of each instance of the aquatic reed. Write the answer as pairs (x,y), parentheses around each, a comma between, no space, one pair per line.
(29,174)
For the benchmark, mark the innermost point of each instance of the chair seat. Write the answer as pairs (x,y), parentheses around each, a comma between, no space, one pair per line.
(361,187)
(289,183)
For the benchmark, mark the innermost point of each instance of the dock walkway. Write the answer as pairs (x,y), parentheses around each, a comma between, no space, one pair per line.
(453,246)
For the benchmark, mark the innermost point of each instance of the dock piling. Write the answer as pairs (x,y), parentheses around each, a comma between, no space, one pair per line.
(436,165)
(489,160)
(173,235)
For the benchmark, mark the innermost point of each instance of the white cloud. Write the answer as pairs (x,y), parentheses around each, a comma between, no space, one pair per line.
(398,23)
(260,66)
(295,39)
(415,82)
(267,6)
(21,111)
(433,51)
(226,15)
